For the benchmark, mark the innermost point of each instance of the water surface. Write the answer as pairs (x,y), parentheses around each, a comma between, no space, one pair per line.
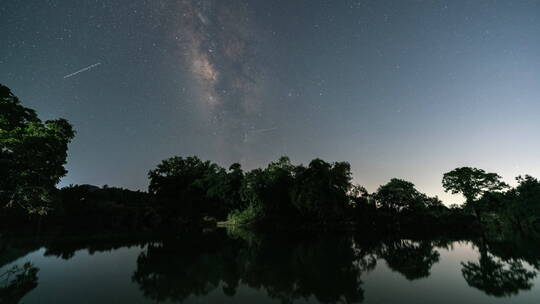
(241,267)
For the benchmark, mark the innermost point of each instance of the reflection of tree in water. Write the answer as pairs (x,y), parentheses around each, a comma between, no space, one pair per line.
(67,248)
(516,248)
(496,276)
(16,282)
(290,269)
(410,258)
(175,269)
(286,269)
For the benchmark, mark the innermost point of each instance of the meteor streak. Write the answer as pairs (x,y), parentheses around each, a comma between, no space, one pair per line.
(82,70)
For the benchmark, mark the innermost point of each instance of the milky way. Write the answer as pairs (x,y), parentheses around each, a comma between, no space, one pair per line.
(220,44)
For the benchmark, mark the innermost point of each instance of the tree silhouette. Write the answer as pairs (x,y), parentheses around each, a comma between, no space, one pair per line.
(399,195)
(472,183)
(321,190)
(180,186)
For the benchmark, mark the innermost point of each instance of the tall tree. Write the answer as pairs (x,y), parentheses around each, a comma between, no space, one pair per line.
(522,205)
(321,190)
(268,189)
(472,183)
(400,195)
(225,188)
(32,155)
(181,187)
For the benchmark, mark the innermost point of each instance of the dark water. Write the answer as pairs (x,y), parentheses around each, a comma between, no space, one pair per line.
(240,267)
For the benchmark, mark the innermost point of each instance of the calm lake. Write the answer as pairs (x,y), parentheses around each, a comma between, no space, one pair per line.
(241,267)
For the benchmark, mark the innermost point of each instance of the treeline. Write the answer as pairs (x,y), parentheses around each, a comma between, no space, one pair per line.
(189,192)
(320,195)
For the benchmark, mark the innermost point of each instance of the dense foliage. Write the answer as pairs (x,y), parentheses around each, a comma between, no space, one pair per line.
(320,195)
(92,208)
(32,155)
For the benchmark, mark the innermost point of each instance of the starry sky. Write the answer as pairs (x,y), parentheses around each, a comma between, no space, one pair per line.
(407,89)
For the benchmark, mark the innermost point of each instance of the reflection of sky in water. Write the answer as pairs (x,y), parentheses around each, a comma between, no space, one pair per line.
(444,285)
(106,277)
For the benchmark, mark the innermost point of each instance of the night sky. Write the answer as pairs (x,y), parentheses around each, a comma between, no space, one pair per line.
(407,89)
